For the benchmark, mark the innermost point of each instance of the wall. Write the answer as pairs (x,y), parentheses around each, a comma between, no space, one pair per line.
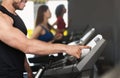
(104,15)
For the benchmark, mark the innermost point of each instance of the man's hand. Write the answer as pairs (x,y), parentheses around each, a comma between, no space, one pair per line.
(75,50)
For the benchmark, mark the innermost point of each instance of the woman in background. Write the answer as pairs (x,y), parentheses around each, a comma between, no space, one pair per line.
(42,31)
(42,27)
(60,11)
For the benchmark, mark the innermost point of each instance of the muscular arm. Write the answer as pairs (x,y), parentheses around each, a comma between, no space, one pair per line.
(16,39)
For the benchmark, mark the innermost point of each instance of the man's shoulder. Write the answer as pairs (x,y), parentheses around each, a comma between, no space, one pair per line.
(5,16)
(2,15)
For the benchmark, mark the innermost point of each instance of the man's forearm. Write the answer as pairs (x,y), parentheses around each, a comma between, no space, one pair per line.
(42,48)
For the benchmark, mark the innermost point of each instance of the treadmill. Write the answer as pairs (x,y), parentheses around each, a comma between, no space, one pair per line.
(69,66)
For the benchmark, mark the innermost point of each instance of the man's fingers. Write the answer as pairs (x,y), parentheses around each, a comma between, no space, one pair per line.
(82,47)
(78,54)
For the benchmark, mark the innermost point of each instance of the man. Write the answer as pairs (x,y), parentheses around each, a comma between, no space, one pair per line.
(14,44)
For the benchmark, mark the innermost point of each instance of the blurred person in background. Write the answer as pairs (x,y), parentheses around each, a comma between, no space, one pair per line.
(61,25)
(42,26)
(42,30)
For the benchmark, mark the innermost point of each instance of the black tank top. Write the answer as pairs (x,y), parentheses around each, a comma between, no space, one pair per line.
(12,59)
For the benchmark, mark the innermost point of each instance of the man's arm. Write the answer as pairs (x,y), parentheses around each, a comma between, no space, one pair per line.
(28,69)
(16,39)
